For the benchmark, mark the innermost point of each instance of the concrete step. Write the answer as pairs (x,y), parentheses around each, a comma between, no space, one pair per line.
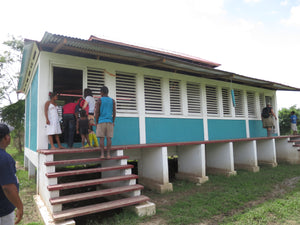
(86,210)
(87,171)
(95,194)
(92,182)
(82,161)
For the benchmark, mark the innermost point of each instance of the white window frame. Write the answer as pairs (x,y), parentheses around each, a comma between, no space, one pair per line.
(212,103)
(194,98)
(175,96)
(226,102)
(153,95)
(126,97)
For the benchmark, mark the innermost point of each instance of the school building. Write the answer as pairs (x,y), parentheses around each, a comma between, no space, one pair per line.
(168,104)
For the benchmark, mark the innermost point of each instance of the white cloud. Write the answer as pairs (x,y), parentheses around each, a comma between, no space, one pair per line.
(247,1)
(284,3)
(294,19)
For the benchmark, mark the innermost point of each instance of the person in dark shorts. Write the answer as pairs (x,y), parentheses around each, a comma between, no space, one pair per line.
(83,128)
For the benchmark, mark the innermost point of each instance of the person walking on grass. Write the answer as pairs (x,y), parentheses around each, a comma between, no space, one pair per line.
(9,191)
(105,114)
(293,118)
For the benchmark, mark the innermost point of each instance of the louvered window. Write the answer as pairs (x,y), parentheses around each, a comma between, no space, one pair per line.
(193,98)
(212,100)
(175,96)
(95,80)
(126,92)
(226,102)
(239,103)
(261,101)
(251,104)
(153,98)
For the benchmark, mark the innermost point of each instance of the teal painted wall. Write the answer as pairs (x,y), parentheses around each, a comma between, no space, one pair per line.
(126,131)
(226,129)
(256,129)
(33,112)
(159,130)
(27,111)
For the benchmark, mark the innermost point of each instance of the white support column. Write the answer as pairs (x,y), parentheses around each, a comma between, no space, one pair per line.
(191,163)
(204,111)
(31,170)
(245,155)
(219,158)
(266,152)
(114,173)
(26,162)
(286,152)
(153,169)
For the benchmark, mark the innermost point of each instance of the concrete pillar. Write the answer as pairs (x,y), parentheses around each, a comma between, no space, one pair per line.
(153,169)
(266,152)
(219,158)
(286,152)
(191,163)
(245,155)
(25,162)
(31,170)
(115,173)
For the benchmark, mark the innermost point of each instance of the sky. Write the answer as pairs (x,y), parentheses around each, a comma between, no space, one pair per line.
(254,38)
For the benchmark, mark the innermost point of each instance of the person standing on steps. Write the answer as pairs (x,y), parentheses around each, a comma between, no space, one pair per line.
(69,119)
(105,115)
(52,120)
(9,184)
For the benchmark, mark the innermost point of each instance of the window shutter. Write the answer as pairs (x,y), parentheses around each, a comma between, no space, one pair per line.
(226,102)
(193,98)
(261,101)
(126,92)
(175,96)
(212,100)
(239,103)
(251,104)
(153,98)
(95,80)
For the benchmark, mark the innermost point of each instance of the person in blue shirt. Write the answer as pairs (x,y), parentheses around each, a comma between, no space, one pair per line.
(105,114)
(293,118)
(9,191)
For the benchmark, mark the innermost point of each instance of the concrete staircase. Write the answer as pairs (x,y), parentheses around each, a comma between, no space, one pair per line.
(80,183)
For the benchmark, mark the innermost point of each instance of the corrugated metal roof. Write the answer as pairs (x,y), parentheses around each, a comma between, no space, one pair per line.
(98,48)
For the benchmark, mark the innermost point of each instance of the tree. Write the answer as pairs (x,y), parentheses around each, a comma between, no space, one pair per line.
(13,115)
(9,69)
(284,119)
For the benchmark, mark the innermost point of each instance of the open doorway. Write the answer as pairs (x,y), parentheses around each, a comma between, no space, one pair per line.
(68,83)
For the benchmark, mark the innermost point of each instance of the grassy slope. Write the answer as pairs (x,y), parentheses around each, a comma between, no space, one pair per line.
(270,196)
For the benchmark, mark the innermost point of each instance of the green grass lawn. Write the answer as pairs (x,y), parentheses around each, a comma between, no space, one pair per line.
(270,196)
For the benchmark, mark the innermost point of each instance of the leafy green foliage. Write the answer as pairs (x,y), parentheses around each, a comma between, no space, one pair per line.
(284,119)
(9,68)
(14,115)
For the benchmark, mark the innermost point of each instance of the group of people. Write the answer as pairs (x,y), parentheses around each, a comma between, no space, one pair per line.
(267,116)
(81,116)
